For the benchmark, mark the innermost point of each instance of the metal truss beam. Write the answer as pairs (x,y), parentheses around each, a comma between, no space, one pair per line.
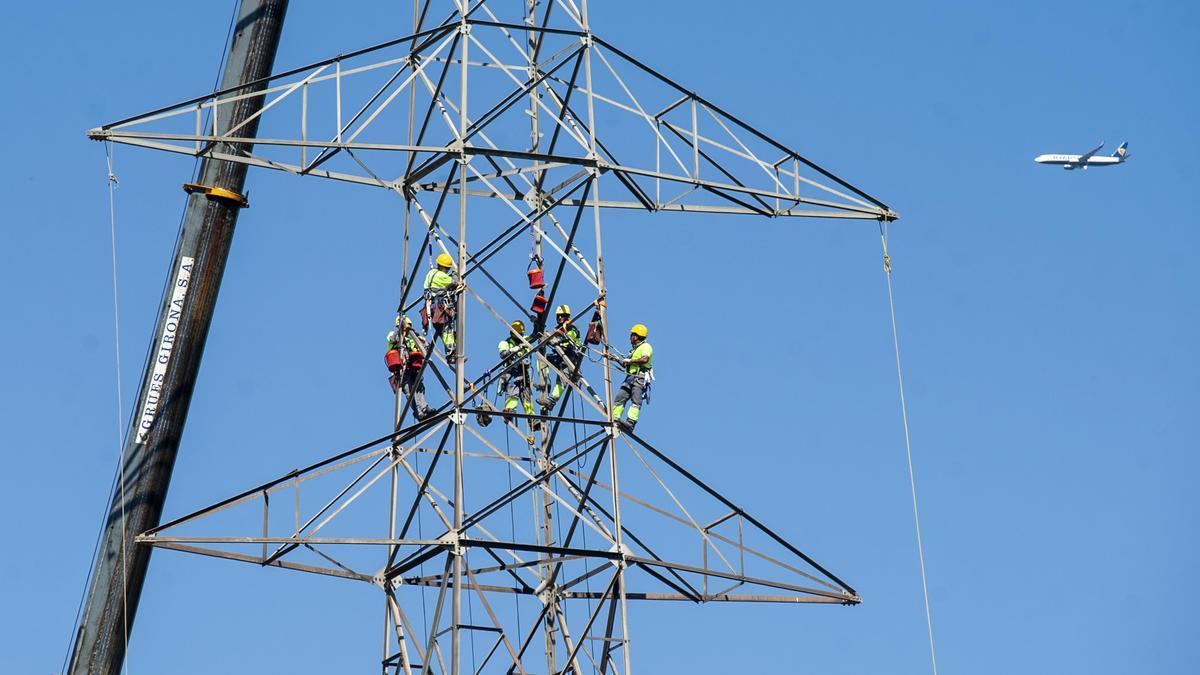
(581,516)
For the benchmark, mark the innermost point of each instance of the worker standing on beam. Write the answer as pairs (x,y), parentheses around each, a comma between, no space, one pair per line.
(406,358)
(514,358)
(639,374)
(441,283)
(564,352)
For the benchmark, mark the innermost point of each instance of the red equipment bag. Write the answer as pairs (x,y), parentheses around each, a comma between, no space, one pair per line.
(424,318)
(540,302)
(416,359)
(537,278)
(595,331)
(443,314)
(392,358)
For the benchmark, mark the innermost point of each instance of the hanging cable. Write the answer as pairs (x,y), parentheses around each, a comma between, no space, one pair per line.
(112,218)
(912,481)
(118,482)
(111,181)
(512,518)
(581,466)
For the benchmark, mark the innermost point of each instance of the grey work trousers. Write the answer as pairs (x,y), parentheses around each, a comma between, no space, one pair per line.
(516,390)
(414,388)
(631,390)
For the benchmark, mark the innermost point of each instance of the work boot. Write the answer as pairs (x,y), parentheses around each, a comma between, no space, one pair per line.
(545,401)
(627,425)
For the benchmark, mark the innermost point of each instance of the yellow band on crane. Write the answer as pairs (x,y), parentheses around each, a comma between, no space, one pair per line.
(217,193)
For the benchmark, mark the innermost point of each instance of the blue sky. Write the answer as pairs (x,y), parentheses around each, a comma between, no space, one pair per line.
(1048,322)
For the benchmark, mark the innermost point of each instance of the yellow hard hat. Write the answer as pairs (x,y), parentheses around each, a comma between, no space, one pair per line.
(398,320)
(638,330)
(444,260)
(563,309)
(518,326)
(407,322)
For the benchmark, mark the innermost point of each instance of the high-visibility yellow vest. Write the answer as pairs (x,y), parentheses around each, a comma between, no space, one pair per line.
(437,280)
(642,350)
(512,348)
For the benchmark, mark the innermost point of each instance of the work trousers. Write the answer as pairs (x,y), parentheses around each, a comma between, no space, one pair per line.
(516,389)
(570,366)
(412,387)
(631,391)
(442,306)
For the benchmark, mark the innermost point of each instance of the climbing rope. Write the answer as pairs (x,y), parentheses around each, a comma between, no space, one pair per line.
(912,481)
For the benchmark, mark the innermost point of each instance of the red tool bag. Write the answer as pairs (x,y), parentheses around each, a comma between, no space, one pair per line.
(595,331)
(540,302)
(392,358)
(537,278)
(416,359)
(443,312)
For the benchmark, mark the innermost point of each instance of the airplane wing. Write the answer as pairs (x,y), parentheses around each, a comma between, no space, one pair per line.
(1084,158)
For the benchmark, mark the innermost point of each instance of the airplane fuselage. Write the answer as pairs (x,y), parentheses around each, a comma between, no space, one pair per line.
(1076,161)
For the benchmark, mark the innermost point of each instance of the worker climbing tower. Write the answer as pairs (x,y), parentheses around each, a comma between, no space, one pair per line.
(508,134)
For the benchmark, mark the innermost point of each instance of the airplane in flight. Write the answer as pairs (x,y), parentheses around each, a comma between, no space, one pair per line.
(1070,162)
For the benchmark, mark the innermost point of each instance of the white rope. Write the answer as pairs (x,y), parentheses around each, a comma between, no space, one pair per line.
(112,217)
(912,481)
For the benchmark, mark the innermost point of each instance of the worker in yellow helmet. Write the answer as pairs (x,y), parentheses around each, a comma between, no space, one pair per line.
(440,284)
(406,365)
(514,358)
(639,373)
(564,351)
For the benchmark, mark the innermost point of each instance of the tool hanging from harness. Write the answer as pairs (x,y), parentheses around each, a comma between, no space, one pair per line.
(439,308)
(416,359)
(484,418)
(394,362)
(647,377)
(443,309)
(397,362)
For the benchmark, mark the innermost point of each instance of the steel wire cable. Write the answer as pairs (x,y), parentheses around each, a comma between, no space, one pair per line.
(512,520)
(118,483)
(912,481)
(580,465)
(112,183)
(112,216)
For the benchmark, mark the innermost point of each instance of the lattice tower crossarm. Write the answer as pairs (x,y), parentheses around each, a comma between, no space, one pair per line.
(604,532)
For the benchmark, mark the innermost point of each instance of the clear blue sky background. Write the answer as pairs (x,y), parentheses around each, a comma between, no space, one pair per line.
(1048,321)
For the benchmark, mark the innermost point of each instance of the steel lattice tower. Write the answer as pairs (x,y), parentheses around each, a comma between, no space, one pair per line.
(537,548)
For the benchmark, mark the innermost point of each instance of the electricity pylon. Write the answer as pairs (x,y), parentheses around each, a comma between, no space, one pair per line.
(546,126)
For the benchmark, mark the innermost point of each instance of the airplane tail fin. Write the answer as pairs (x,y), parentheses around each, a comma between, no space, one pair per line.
(1121,152)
